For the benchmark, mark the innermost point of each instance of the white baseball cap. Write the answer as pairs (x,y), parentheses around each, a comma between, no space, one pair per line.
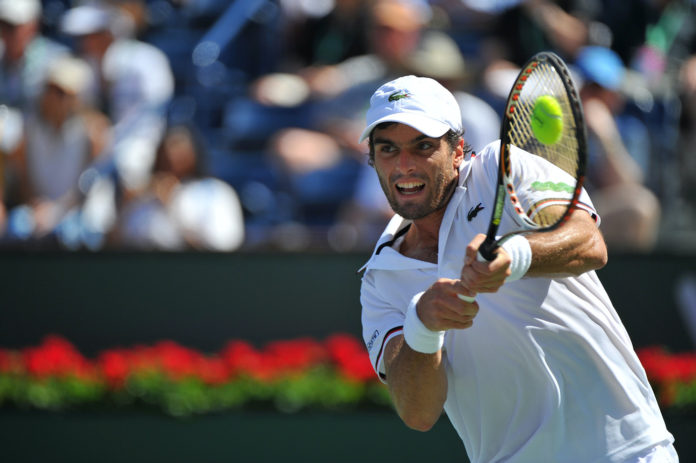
(95,17)
(19,11)
(419,102)
(69,73)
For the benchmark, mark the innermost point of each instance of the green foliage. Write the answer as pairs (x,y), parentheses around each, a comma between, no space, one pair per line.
(287,376)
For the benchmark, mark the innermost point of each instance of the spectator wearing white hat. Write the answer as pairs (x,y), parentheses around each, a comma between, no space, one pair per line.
(25,54)
(60,139)
(134,85)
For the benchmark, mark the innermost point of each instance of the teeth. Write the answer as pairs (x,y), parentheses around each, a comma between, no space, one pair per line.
(407,186)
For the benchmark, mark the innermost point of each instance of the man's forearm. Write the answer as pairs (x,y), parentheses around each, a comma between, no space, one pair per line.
(417,383)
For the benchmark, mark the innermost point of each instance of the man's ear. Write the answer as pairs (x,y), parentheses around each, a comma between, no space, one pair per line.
(458,154)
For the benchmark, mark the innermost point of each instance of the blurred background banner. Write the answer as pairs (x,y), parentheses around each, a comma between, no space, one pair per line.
(202,300)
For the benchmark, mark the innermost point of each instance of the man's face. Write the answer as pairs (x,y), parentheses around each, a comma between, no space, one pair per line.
(394,45)
(95,44)
(16,38)
(418,173)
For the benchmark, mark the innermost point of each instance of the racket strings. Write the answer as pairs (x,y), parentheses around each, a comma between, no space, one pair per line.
(545,80)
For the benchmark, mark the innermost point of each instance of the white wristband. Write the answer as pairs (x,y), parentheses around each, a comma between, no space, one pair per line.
(521,254)
(417,335)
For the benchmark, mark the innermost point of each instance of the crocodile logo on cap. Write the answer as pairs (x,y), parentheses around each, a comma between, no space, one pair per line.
(398,95)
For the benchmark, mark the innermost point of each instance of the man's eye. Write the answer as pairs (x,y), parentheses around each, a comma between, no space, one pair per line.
(386,149)
(425,145)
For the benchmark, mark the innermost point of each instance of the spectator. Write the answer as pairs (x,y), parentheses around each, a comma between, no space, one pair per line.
(328,38)
(182,208)
(394,34)
(319,163)
(439,58)
(393,31)
(619,155)
(133,86)
(687,139)
(25,53)
(11,127)
(61,138)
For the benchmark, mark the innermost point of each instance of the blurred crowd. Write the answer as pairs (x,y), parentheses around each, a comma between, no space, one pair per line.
(224,125)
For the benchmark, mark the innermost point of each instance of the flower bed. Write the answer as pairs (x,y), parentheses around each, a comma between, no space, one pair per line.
(287,375)
(673,378)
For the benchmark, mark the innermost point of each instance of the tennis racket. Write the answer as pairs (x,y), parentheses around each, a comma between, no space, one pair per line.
(543,90)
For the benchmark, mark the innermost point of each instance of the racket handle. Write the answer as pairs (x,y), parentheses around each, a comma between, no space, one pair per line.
(479,257)
(486,252)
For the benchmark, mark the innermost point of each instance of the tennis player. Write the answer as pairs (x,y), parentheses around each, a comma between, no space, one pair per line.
(539,368)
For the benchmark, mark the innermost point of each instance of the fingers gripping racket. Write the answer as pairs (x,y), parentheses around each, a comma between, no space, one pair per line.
(543,116)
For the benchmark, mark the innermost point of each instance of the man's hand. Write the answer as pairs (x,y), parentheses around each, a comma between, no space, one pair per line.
(440,307)
(484,277)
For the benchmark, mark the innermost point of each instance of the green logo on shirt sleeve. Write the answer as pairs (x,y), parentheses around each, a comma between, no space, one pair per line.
(551,186)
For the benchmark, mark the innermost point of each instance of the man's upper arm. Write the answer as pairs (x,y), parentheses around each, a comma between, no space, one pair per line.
(381,323)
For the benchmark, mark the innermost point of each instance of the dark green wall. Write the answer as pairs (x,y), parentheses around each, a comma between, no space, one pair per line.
(244,437)
(202,300)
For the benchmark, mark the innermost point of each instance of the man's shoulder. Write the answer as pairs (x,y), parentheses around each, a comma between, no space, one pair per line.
(42,51)
(481,167)
(46,45)
(488,152)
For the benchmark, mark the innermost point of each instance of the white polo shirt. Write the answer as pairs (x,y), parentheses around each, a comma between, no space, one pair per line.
(547,373)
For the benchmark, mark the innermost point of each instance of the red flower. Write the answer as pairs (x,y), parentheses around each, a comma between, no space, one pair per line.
(341,356)
(7,361)
(351,357)
(213,370)
(294,356)
(663,366)
(177,361)
(666,371)
(56,357)
(242,358)
(115,366)
(143,358)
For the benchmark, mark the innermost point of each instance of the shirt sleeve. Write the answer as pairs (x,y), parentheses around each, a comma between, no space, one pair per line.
(380,321)
(542,184)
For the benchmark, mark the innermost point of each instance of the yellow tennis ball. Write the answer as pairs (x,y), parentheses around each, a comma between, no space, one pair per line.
(547,120)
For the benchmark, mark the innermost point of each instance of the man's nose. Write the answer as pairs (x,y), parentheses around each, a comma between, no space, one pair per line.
(405,161)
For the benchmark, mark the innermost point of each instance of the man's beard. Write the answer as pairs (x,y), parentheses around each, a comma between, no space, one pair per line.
(437,200)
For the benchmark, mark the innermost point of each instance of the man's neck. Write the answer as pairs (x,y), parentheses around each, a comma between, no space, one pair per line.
(421,240)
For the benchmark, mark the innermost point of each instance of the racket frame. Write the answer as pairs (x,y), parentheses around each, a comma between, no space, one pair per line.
(505,186)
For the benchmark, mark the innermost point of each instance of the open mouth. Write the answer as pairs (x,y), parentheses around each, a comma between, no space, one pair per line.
(410,188)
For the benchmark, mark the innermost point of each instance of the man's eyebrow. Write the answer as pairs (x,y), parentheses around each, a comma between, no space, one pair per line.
(383,141)
(414,140)
(422,137)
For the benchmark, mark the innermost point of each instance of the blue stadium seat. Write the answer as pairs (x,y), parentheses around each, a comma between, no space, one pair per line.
(248,124)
